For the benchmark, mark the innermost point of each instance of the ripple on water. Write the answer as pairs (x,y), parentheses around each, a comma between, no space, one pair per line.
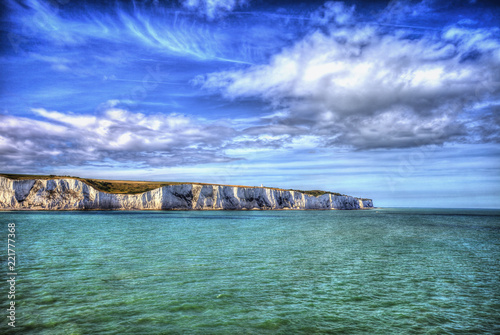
(395,271)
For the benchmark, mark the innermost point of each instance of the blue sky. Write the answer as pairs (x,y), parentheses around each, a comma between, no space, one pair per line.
(397,101)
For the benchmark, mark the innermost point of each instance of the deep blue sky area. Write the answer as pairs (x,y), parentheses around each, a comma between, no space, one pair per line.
(398,101)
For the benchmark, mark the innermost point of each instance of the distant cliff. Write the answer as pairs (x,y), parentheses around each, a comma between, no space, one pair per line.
(74,194)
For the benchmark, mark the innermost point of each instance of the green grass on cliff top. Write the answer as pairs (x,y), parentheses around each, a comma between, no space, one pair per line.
(135,187)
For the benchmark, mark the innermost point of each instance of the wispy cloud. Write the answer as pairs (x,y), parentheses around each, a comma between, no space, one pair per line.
(164,30)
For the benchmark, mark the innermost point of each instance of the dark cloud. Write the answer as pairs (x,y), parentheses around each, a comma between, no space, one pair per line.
(486,125)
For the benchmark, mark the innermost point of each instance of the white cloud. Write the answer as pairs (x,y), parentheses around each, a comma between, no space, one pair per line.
(356,82)
(114,134)
(333,12)
(213,9)
(79,121)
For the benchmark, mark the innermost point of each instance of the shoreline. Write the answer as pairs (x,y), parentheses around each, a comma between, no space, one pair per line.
(76,194)
(181,209)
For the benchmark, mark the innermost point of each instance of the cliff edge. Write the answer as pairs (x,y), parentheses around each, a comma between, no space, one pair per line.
(74,194)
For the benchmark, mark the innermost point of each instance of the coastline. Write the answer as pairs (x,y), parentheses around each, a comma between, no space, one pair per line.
(75,194)
(180,210)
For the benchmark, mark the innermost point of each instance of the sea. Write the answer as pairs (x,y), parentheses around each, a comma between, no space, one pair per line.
(378,271)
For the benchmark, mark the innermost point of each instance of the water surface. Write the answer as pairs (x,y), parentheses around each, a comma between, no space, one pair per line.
(381,271)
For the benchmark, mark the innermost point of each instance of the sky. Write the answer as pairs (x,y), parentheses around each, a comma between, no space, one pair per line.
(398,101)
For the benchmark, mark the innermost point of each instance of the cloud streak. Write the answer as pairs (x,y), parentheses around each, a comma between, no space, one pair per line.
(161,29)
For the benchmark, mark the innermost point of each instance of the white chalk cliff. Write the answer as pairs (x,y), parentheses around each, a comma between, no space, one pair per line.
(73,194)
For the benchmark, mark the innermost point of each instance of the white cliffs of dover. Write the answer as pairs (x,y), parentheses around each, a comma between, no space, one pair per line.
(73,194)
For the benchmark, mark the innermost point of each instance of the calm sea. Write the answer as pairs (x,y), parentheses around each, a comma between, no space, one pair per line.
(381,271)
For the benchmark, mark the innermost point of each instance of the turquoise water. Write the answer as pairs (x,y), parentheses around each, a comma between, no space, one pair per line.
(382,271)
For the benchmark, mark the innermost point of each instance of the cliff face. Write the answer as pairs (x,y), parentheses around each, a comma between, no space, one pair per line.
(73,194)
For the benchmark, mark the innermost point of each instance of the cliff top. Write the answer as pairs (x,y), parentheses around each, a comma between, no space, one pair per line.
(135,187)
